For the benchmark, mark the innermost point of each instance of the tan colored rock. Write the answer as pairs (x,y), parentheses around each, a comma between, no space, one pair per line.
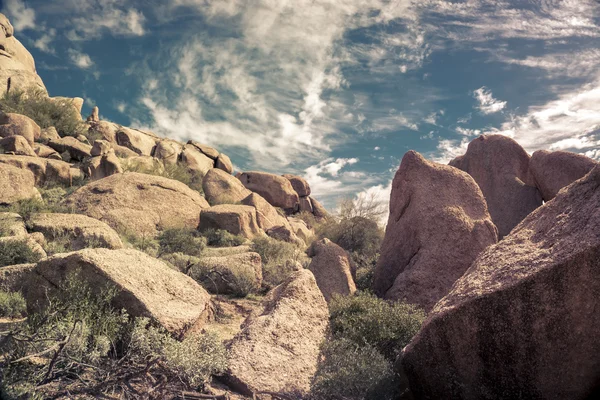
(222,188)
(204,149)
(555,170)
(438,225)
(318,210)
(285,234)
(76,149)
(19,125)
(14,278)
(146,287)
(16,184)
(100,148)
(231,274)
(41,150)
(306,205)
(17,68)
(94,116)
(224,163)
(33,242)
(82,231)
(267,216)
(299,184)
(141,142)
(75,103)
(196,161)
(48,134)
(277,190)
(301,230)
(104,130)
(44,170)
(102,166)
(522,322)
(235,219)
(330,265)
(501,169)
(17,145)
(168,151)
(139,203)
(12,224)
(278,348)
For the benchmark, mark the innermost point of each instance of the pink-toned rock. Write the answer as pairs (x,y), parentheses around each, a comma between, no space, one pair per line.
(104,130)
(16,124)
(299,184)
(523,321)
(222,188)
(438,225)
(48,134)
(277,190)
(301,230)
(17,145)
(319,211)
(94,116)
(554,170)
(332,269)
(500,167)
(306,205)
(43,169)
(267,216)
(236,219)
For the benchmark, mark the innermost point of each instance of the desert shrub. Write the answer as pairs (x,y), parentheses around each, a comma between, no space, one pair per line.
(349,371)
(358,235)
(222,238)
(27,207)
(180,262)
(181,240)
(278,259)
(309,218)
(178,172)
(239,281)
(14,252)
(12,305)
(58,244)
(35,104)
(370,321)
(140,241)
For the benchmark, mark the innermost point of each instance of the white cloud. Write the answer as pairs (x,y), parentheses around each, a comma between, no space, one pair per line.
(80,59)
(487,103)
(467,132)
(94,18)
(121,106)
(327,178)
(21,17)
(447,149)
(45,41)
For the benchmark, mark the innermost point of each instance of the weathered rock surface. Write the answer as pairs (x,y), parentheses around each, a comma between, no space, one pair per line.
(222,188)
(14,278)
(267,216)
(105,131)
(102,166)
(231,274)
(94,116)
(330,265)
(48,134)
(139,203)
(145,286)
(82,231)
(319,211)
(76,149)
(204,149)
(17,145)
(236,219)
(277,190)
(555,170)
(100,148)
(438,225)
(224,163)
(301,230)
(522,322)
(168,151)
(12,224)
(43,169)
(299,184)
(500,167)
(41,150)
(196,161)
(19,125)
(305,205)
(16,184)
(33,241)
(278,349)
(141,142)
(285,234)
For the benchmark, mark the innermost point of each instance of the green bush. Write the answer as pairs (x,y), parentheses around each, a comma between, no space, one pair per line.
(142,242)
(370,321)
(357,235)
(12,305)
(279,259)
(35,104)
(222,238)
(26,208)
(352,372)
(14,252)
(181,240)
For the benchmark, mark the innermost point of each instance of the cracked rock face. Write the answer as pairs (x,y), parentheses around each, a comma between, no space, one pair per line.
(438,224)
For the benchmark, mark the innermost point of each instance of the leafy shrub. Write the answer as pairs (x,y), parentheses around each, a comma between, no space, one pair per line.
(35,104)
(181,240)
(357,235)
(238,280)
(222,238)
(142,242)
(12,305)
(349,371)
(370,321)
(27,207)
(279,259)
(14,252)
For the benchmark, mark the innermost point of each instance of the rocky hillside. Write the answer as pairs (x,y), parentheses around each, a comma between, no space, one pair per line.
(137,266)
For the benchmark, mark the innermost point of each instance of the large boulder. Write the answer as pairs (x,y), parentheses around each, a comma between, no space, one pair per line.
(301,230)
(12,224)
(41,150)
(500,167)
(278,349)
(48,134)
(438,225)
(167,151)
(17,145)
(267,216)
(277,190)
(76,149)
(222,188)
(224,163)
(196,161)
(236,219)
(146,287)
(82,231)
(16,184)
(319,211)
(14,278)
(554,170)
(204,149)
(44,170)
(237,274)
(102,166)
(17,67)
(523,321)
(299,184)
(18,125)
(139,203)
(141,142)
(104,130)
(305,205)
(332,269)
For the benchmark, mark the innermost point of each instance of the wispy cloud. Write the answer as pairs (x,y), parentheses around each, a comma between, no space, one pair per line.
(20,15)
(80,59)
(44,42)
(487,104)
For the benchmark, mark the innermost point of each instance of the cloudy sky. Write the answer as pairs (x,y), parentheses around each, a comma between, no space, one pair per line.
(335,90)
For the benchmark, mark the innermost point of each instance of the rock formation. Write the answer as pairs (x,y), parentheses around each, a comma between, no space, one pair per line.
(438,225)
(19,125)
(230,274)
(277,190)
(330,265)
(236,219)
(522,322)
(16,184)
(221,188)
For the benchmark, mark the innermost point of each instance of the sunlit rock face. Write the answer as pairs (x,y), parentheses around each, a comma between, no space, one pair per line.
(17,67)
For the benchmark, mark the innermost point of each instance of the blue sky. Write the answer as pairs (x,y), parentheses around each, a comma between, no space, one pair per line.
(335,90)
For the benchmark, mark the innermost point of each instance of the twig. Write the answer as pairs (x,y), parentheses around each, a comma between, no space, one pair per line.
(199,396)
(61,346)
(277,395)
